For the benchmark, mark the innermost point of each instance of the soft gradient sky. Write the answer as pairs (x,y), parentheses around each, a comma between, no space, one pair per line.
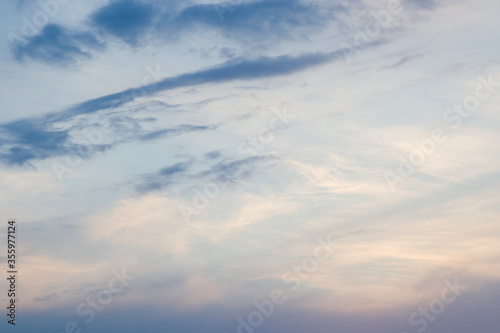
(208,148)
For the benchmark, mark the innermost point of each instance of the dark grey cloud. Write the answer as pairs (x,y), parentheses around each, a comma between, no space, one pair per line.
(162,178)
(229,171)
(168,132)
(126,20)
(57,45)
(237,69)
(173,169)
(238,168)
(405,59)
(24,140)
(36,138)
(258,21)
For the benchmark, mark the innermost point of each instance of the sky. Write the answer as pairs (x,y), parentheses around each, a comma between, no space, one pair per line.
(251,165)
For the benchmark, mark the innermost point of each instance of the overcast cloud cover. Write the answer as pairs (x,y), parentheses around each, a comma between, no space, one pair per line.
(252,166)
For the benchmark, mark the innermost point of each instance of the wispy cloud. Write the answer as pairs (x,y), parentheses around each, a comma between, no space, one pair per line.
(256,21)
(226,171)
(57,45)
(238,69)
(175,131)
(39,138)
(405,59)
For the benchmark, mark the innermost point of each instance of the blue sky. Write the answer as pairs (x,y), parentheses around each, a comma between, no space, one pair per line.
(175,165)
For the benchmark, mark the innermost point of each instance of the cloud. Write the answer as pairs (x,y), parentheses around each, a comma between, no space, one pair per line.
(175,131)
(239,168)
(259,21)
(212,155)
(405,59)
(37,139)
(57,45)
(424,4)
(221,52)
(225,172)
(162,178)
(126,20)
(173,169)
(237,69)
(27,141)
